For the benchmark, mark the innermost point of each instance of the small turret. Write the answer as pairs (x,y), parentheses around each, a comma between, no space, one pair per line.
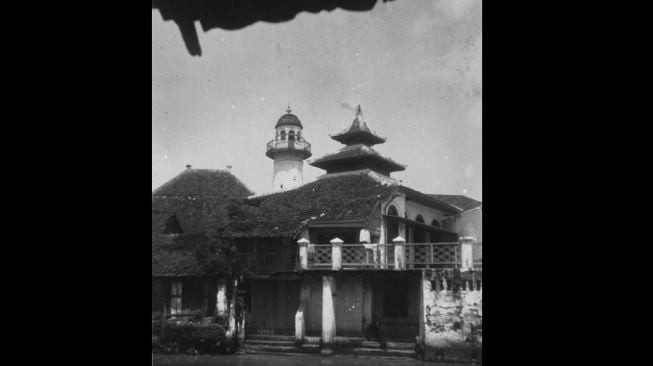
(289,149)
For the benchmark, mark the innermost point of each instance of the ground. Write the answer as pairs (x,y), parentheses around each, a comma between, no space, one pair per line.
(288,360)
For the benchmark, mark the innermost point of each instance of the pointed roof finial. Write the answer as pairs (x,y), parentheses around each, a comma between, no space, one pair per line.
(359,111)
(288,110)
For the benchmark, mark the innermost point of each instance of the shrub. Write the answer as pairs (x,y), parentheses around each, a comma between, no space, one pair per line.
(192,338)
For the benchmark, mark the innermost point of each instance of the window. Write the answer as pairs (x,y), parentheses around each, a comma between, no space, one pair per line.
(283,135)
(435,223)
(175,305)
(392,211)
(419,218)
(291,135)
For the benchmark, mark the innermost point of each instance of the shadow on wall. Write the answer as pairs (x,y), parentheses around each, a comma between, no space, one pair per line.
(237,14)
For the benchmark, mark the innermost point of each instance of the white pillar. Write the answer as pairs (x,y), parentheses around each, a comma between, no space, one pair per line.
(336,254)
(400,256)
(300,316)
(221,300)
(303,253)
(300,323)
(328,316)
(467,253)
(231,331)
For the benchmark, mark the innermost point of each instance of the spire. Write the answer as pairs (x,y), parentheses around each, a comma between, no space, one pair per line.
(359,121)
(288,110)
(358,132)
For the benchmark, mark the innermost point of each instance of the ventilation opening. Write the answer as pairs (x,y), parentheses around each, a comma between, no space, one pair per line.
(173,226)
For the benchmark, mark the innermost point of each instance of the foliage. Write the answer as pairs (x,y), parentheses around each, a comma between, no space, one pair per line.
(191,338)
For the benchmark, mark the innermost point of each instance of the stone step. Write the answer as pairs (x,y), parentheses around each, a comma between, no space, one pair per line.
(270,342)
(371,344)
(262,337)
(370,351)
(267,348)
(388,345)
(336,340)
(400,345)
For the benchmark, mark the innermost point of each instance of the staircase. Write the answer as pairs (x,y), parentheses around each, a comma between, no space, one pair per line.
(286,345)
(278,344)
(375,348)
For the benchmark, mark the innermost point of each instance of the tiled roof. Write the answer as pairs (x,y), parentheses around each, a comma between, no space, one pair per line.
(199,200)
(463,202)
(358,133)
(429,200)
(203,183)
(348,197)
(172,255)
(355,152)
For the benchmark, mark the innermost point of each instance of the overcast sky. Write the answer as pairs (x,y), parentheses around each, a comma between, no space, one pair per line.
(414,66)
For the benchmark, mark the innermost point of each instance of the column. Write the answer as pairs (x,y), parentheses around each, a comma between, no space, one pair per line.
(221,300)
(301,315)
(466,253)
(400,256)
(328,316)
(303,253)
(336,254)
(232,325)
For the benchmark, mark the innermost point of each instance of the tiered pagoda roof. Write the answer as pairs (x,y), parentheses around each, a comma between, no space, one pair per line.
(358,153)
(358,133)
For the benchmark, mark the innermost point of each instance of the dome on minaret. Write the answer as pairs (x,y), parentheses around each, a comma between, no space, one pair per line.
(289,119)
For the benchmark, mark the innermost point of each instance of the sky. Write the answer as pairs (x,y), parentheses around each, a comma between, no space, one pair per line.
(413,66)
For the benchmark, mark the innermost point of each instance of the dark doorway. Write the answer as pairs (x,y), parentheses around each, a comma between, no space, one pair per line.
(395,299)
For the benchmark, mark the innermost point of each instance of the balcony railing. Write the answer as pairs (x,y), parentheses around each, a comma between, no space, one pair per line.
(353,256)
(289,145)
(463,255)
(433,255)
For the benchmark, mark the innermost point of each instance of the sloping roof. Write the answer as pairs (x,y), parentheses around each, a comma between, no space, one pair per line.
(195,215)
(359,132)
(203,183)
(356,152)
(172,255)
(463,202)
(429,200)
(199,199)
(348,197)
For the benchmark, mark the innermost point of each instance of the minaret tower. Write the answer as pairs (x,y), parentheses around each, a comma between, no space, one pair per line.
(288,150)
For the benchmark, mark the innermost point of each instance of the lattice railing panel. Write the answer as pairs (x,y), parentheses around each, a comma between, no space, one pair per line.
(355,254)
(322,255)
(445,253)
(428,255)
